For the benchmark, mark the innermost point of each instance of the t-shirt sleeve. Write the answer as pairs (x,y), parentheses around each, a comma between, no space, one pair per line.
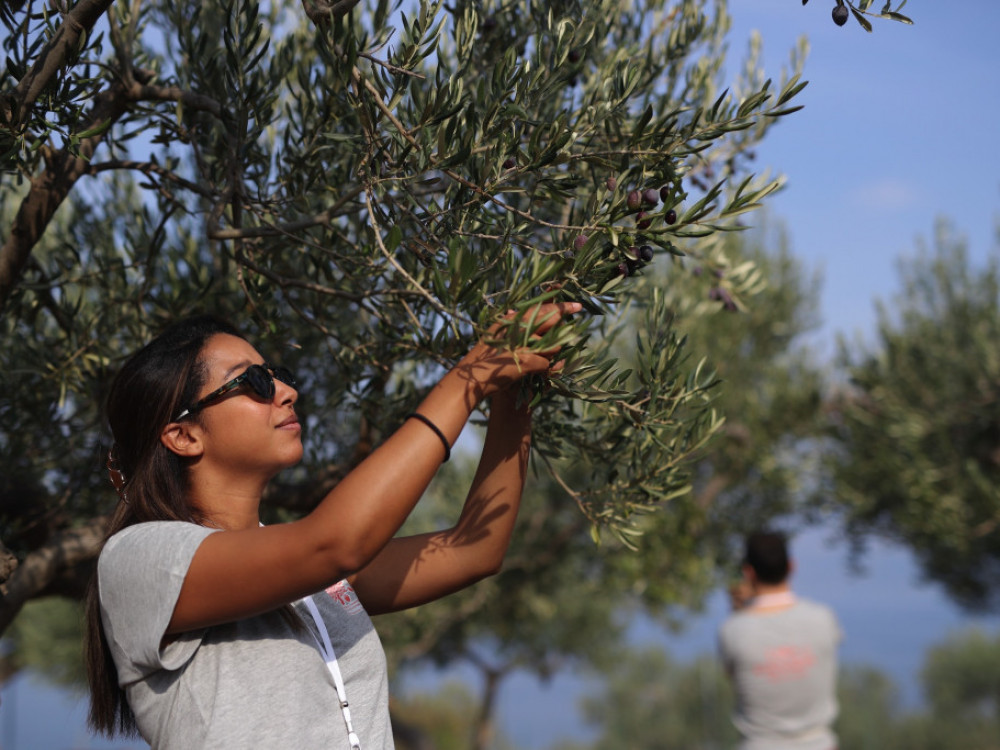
(140,573)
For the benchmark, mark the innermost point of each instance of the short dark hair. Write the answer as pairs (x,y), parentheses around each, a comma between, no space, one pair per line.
(767,554)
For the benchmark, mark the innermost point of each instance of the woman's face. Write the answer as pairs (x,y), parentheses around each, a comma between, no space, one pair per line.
(242,430)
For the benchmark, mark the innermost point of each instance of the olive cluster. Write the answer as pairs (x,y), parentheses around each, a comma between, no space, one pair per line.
(637,199)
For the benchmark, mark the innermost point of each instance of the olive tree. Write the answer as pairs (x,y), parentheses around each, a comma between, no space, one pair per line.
(916,453)
(368,189)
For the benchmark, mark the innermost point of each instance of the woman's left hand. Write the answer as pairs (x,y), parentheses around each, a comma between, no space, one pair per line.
(497,368)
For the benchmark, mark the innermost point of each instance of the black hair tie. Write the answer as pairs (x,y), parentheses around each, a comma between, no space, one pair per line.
(437,431)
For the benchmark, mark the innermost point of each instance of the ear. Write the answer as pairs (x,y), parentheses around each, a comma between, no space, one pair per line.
(182,438)
(749,574)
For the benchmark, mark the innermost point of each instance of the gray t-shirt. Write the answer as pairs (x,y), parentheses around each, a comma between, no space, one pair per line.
(259,682)
(783,665)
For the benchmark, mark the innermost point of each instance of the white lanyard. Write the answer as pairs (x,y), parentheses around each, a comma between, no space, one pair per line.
(326,648)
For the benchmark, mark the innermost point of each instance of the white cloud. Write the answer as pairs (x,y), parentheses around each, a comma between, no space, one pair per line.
(886,194)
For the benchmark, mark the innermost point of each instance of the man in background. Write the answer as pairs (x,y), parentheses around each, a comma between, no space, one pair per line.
(780,652)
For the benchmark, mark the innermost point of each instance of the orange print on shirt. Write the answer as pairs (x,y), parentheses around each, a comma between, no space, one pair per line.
(343,593)
(785,663)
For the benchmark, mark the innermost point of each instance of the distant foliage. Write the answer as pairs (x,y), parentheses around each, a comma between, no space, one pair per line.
(917,429)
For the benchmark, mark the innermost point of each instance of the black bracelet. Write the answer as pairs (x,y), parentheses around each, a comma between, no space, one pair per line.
(429,423)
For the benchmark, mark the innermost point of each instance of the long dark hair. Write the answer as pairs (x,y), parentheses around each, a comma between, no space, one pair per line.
(151,387)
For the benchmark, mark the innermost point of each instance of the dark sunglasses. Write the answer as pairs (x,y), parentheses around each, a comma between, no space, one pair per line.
(258,377)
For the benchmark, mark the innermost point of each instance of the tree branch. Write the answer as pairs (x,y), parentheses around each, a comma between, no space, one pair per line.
(50,188)
(154,93)
(150,169)
(51,60)
(321,219)
(43,566)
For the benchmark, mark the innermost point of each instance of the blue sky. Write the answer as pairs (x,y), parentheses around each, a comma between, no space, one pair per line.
(899,129)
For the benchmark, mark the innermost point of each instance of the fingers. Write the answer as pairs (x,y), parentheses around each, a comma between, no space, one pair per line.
(552,314)
(542,318)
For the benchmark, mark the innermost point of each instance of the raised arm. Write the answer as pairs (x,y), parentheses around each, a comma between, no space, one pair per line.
(239,573)
(417,569)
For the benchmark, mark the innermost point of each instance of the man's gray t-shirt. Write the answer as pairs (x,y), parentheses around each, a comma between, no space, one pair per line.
(258,682)
(783,664)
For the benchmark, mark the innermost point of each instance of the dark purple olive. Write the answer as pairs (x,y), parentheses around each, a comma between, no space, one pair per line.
(645,253)
(642,220)
(840,14)
(633,200)
(670,216)
(580,241)
(509,163)
(651,196)
(722,295)
(612,183)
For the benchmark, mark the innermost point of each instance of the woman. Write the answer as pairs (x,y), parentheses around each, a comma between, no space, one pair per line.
(208,630)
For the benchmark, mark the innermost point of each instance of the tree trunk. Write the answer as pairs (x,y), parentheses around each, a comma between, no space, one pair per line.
(485,728)
(42,566)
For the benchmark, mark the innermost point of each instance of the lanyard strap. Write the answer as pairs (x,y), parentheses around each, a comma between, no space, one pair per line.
(326,648)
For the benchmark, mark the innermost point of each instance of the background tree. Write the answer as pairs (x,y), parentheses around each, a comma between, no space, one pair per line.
(870,716)
(445,718)
(648,701)
(962,685)
(916,428)
(771,382)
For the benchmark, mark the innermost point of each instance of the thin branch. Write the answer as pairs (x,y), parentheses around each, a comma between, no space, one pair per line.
(320,11)
(44,294)
(402,271)
(390,67)
(469,605)
(321,219)
(154,93)
(150,169)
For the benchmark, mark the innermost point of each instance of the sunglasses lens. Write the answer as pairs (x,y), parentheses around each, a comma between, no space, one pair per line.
(260,380)
(284,375)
